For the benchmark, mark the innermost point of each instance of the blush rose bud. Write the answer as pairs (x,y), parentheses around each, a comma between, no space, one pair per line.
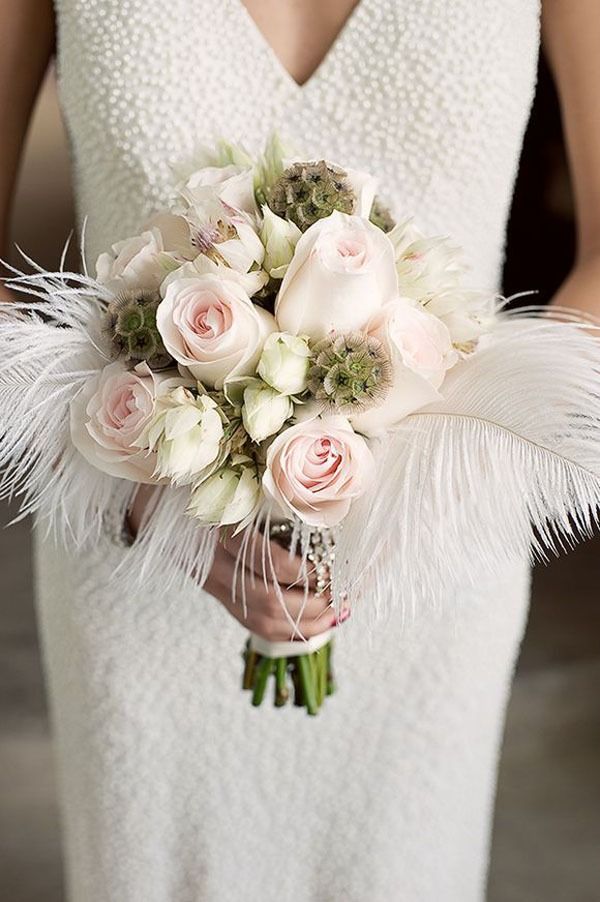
(284,363)
(265,410)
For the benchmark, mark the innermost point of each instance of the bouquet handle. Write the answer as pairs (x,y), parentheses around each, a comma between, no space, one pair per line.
(306,665)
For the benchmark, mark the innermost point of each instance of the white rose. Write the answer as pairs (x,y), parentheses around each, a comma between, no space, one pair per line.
(420,352)
(110,415)
(284,363)
(341,273)
(211,326)
(231,495)
(279,237)
(186,433)
(134,263)
(265,410)
(234,185)
(422,340)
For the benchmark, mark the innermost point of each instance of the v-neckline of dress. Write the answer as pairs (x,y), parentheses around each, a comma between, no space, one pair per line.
(335,50)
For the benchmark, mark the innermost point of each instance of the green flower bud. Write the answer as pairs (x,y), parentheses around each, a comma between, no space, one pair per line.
(307,192)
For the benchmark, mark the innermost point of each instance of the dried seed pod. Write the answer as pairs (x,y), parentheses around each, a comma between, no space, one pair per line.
(350,372)
(381,216)
(132,328)
(307,192)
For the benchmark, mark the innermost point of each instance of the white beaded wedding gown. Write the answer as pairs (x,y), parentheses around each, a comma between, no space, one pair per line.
(174,788)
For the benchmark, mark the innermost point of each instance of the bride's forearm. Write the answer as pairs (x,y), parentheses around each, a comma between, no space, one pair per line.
(26,46)
(581,290)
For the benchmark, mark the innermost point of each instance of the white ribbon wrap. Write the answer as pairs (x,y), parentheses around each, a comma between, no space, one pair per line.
(288,649)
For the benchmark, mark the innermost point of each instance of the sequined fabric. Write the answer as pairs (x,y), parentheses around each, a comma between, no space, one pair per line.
(174,789)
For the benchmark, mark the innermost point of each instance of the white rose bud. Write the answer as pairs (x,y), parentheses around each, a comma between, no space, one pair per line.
(280,237)
(284,363)
(265,410)
(231,495)
(186,433)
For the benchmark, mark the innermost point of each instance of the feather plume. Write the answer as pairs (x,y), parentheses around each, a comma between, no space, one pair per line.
(50,344)
(506,466)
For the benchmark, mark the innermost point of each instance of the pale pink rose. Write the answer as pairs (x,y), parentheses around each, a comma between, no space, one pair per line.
(422,340)
(316,469)
(341,273)
(109,415)
(211,326)
(421,353)
(233,184)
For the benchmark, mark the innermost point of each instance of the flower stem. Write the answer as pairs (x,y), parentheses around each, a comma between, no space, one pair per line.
(282,693)
(305,669)
(298,694)
(330,687)
(263,672)
(322,687)
(252,659)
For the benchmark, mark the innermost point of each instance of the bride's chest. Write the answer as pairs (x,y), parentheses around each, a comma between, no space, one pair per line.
(431,95)
(143,62)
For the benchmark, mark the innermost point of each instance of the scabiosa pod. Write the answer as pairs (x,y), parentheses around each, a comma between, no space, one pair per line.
(133,331)
(307,192)
(381,216)
(350,372)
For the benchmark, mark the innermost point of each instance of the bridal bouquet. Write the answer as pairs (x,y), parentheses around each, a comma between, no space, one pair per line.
(282,359)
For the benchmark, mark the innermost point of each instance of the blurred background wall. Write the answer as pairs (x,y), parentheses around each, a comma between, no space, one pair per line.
(547,832)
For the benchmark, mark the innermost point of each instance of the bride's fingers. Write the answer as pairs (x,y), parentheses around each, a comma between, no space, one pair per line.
(276,615)
(288,569)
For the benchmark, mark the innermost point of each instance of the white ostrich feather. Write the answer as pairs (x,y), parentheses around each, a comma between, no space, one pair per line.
(506,466)
(50,345)
(170,549)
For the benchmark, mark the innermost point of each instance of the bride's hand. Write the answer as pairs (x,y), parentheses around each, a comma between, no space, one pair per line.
(270,613)
(265,608)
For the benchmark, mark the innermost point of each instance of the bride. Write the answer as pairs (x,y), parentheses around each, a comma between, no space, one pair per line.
(173,788)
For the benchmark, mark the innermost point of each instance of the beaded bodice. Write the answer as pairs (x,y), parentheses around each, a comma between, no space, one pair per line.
(432,96)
